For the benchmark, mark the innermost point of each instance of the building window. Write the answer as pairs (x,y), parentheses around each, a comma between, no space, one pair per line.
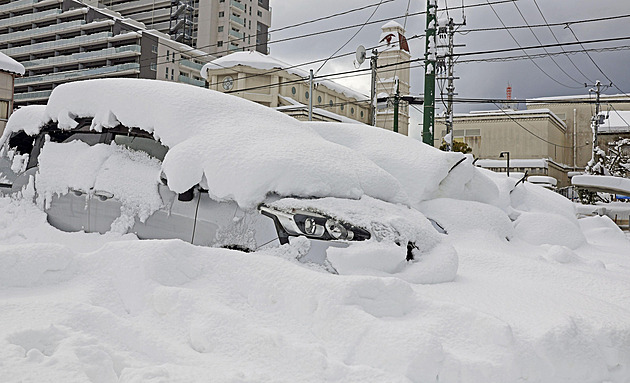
(4,109)
(220,43)
(172,74)
(361,114)
(220,29)
(168,55)
(221,1)
(153,67)
(154,48)
(306,95)
(259,13)
(351,110)
(221,14)
(341,106)
(166,74)
(331,103)
(319,99)
(293,90)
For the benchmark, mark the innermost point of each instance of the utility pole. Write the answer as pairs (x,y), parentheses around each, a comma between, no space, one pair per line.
(373,62)
(310,97)
(428,128)
(448,31)
(595,121)
(396,103)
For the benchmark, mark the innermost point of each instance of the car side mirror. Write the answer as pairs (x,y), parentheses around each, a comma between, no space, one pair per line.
(186,196)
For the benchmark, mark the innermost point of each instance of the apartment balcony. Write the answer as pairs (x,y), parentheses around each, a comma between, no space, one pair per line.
(237,20)
(32,96)
(234,48)
(238,5)
(191,81)
(131,7)
(42,32)
(155,15)
(116,70)
(83,57)
(16,6)
(50,46)
(237,35)
(190,64)
(29,18)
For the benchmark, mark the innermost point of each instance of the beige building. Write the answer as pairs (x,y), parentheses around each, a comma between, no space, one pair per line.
(533,135)
(9,69)
(276,84)
(393,64)
(577,112)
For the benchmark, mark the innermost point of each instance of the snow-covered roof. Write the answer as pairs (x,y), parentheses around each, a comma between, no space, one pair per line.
(514,163)
(295,105)
(543,100)
(392,24)
(615,122)
(512,113)
(542,180)
(607,184)
(258,60)
(7,64)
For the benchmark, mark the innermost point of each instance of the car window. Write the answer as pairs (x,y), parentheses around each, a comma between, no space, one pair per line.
(87,137)
(145,144)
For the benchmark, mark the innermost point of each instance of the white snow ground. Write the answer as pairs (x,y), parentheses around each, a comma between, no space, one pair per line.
(79,307)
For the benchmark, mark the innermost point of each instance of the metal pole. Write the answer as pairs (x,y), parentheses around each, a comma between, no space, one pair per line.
(310,97)
(429,75)
(508,164)
(450,87)
(396,103)
(373,63)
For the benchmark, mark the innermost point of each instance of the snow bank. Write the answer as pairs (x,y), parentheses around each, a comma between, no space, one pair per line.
(29,119)
(77,307)
(269,152)
(552,229)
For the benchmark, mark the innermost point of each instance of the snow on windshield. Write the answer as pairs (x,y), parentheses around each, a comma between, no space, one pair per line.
(245,150)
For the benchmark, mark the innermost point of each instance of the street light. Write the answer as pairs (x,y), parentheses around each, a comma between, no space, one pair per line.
(508,161)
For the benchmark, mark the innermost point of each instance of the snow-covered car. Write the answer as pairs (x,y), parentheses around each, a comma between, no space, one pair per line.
(165,160)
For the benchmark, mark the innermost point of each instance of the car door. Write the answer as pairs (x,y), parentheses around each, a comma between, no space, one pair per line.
(170,217)
(65,211)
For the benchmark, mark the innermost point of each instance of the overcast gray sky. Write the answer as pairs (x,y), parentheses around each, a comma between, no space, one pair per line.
(478,80)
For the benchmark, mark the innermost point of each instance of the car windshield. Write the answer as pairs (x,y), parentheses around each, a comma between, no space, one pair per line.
(145,144)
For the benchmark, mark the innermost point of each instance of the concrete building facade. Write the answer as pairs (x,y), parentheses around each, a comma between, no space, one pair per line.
(59,41)
(217,27)
(276,84)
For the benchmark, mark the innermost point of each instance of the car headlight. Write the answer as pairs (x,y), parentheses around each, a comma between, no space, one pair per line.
(313,225)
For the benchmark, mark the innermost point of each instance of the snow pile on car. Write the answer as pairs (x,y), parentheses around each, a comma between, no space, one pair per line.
(244,150)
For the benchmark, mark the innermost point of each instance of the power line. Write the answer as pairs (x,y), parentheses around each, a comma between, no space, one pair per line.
(540,42)
(558,41)
(519,45)
(541,55)
(563,24)
(353,36)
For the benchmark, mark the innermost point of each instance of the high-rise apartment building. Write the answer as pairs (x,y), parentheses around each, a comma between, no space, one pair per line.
(217,27)
(59,41)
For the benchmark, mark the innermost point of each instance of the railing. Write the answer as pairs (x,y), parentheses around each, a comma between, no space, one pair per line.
(31,17)
(191,64)
(76,74)
(237,19)
(16,36)
(234,48)
(191,81)
(237,5)
(30,96)
(238,35)
(57,44)
(75,57)
(4,8)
